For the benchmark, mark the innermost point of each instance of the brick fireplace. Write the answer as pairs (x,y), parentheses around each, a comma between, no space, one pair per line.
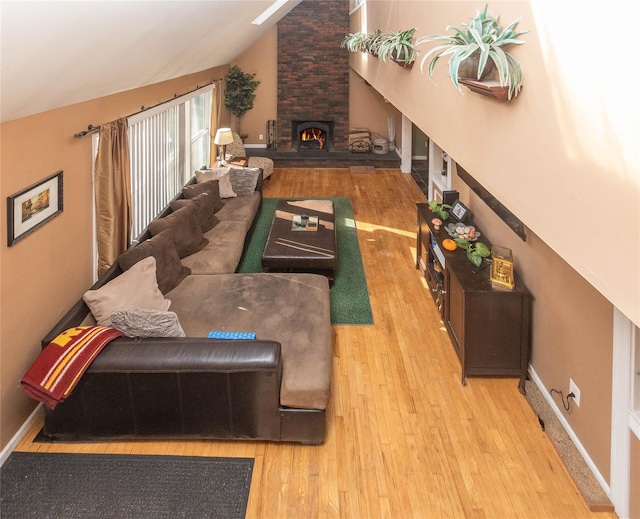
(313,77)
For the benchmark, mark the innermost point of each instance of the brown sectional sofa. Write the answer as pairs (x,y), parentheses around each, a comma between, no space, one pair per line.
(274,387)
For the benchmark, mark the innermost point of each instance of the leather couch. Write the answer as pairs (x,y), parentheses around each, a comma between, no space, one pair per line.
(274,387)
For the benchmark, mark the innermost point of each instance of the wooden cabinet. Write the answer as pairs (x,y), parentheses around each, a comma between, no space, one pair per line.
(489,327)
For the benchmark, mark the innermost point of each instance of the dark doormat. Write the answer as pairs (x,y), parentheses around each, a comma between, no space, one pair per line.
(52,485)
(592,493)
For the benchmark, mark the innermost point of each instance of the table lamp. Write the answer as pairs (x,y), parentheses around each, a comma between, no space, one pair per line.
(222,138)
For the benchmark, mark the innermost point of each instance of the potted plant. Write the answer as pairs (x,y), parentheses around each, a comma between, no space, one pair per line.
(373,42)
(399,47)
(439,209)
(239,93)
(476,251)
(482,40)
(356,42)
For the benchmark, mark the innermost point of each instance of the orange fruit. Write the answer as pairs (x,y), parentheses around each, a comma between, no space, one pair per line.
(449,244)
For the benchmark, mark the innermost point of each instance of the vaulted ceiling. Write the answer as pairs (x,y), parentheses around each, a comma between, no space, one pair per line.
(57,53)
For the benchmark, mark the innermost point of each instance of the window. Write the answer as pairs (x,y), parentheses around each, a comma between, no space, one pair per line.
(166,144)
(200,122)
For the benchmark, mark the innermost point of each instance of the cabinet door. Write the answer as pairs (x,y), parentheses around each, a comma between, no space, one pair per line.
(494,341)
(455,312)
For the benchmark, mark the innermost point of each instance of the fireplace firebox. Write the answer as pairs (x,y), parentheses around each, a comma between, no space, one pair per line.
(312,135)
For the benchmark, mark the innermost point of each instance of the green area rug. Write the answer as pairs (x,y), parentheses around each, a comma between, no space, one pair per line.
(349,294)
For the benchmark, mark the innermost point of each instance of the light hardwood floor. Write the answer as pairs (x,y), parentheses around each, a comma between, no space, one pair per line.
(404,437)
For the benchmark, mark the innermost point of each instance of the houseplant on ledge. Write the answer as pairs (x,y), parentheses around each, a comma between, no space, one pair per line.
(356,42)
(373,42)
(399,47)
(239,93)
(481,40)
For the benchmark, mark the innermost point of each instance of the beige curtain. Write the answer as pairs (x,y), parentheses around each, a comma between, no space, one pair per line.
(216,104)
(113,193)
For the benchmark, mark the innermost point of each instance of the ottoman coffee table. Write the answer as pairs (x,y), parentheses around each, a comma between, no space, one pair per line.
(302,238)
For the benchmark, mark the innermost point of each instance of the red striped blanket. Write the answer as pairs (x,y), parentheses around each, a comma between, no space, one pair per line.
(59,366)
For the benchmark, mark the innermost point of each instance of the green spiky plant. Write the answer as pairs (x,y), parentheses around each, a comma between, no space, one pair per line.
(356,42)
(483,37)
(239,92)
(373,42)
(399,46)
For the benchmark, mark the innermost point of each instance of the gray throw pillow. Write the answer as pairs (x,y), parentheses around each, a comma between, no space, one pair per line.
(140,322)
(244,180)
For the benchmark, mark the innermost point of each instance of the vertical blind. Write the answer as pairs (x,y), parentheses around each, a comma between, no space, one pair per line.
(163,144)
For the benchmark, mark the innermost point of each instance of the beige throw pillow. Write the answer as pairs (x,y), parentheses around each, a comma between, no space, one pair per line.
(222,175)
(134,288)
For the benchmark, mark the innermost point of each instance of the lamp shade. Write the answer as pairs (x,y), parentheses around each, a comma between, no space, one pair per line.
(223,136)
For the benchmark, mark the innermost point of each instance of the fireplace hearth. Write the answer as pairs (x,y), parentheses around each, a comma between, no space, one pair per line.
(312,135)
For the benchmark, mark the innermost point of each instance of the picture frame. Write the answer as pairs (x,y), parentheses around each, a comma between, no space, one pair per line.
(33,206)
(459,211)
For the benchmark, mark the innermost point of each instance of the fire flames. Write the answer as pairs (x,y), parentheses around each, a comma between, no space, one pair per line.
(313,137)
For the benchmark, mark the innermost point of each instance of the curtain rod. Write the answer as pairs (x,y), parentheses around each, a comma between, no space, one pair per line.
(91,128)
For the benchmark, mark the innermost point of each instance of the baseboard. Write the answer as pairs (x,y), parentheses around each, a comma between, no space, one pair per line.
(255,145)
(583,452)
(13,443)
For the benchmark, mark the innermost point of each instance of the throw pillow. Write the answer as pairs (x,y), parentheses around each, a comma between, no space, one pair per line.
(244,180)
(222,175)
(169,270)
(205,205)
(134,288)
(142,322)
(205,174)
(193,190)
(187,233)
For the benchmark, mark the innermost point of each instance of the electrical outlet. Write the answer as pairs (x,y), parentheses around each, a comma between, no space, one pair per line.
(260,136)
(576,391)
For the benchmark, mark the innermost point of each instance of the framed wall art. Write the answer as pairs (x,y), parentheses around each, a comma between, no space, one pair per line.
(32,207)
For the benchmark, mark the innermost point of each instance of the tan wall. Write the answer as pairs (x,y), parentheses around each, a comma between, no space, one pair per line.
(46,272)
(564,152)
(368,109)
(261,59)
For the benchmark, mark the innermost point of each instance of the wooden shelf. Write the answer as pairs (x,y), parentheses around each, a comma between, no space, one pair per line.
(489,88)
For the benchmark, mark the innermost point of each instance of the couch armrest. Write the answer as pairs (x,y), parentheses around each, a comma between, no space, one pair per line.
(167,388)
(187,354)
